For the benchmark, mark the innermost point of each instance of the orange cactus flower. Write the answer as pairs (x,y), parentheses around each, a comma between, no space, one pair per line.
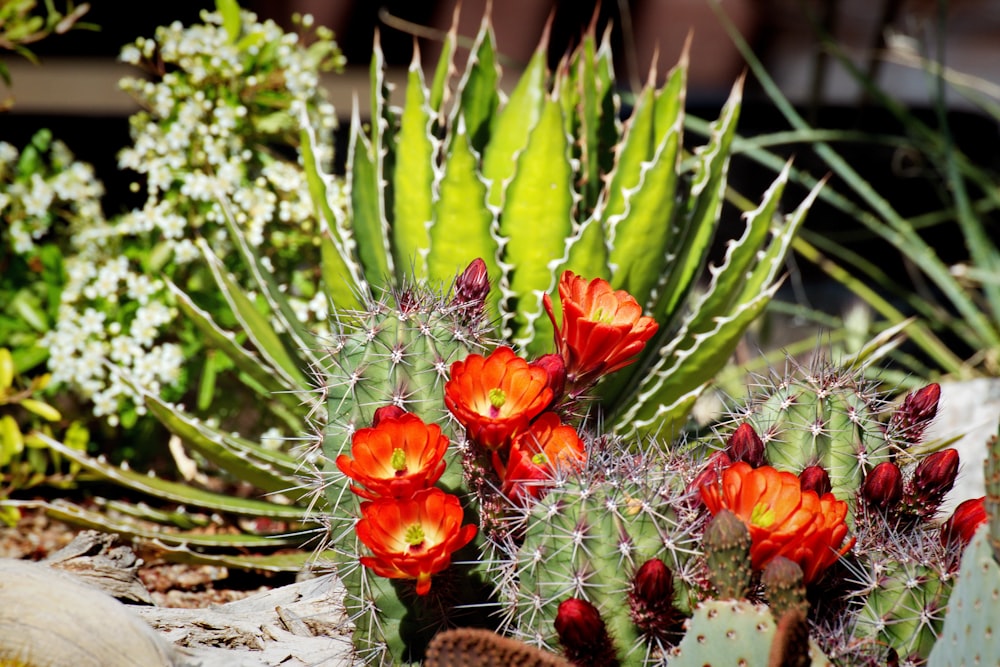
(602,329)
(537,455)
(396,458)
(783,519)
(496,397)
(413,538)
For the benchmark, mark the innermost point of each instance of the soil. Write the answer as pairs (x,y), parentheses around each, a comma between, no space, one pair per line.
(170,584)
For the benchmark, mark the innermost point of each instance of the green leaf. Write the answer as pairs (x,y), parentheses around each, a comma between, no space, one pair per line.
(268,379)
(514,123)
(534,226)
(230,10)
(366,207)
(258,328)
(341,273)
(698,223)
(461,228)
(478,90)
(444,67)
(413,177)
(79,516)
(175,492)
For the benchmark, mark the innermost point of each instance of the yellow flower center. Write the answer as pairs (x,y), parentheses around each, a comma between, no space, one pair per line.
(762,515)
(602,316)
(398,460)
(497,397)
(540,459)
(414,535)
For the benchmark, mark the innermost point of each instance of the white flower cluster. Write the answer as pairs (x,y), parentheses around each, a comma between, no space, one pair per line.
(204,145)
(57,188)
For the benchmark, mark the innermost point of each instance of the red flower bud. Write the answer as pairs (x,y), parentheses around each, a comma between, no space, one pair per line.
(918,409)
(472,287)
(815,478)
(964,522)
(932,479)
(653,582)
(583,635)
(555,369)
(883,486)
(387,412)
(745,445)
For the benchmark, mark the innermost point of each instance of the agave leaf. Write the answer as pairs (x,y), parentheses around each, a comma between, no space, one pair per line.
(342,280)
(534,227)
(701,218)
(130,528)
(462,222)
(514,123)
(267,470)
(445,66)
(478,91)
(245,360)
(636,147)
(367,207)
(608,131)
(646,222)
(300,338)
(173,491)
(256,325)
(413,176)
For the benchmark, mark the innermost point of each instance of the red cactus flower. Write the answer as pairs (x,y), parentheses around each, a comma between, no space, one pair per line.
(413,538)
(965,521)
(783,519)
(602,329)
(396,458)
(536,456)
(496,397)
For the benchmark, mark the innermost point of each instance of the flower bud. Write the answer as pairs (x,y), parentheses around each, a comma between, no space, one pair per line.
(815,478)
(651,600)
(913,416)
(745,445)
(932,479)
(387,412)
(555,369)
(883,486)
(964,522)
(583,635)
(471,288)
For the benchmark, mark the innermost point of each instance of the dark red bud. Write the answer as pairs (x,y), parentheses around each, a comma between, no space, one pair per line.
(651,600)
(472,286)
(934,477)
(745,445)
(387,412)
(653,581)
(913,416)
(883,487)
(711,473)
(555,370)
(815,478)
(583,635)
(964,522)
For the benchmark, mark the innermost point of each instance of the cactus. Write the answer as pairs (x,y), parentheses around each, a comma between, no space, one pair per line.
(587,538)
(482,648)
(969,635)
(725,633)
